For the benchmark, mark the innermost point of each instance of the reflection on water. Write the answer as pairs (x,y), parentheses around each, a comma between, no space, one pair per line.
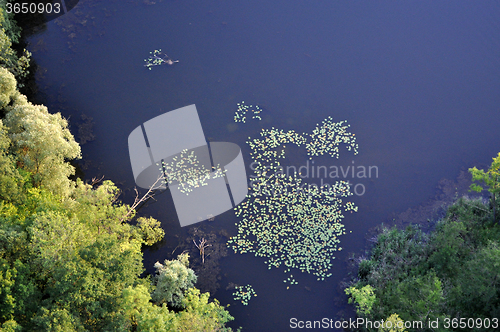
(417,80)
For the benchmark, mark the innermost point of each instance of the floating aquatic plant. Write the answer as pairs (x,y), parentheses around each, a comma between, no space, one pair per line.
(291,280)
(158,58)
(287,221)
(240,114)
(244,294)
(188,172)
(325,139)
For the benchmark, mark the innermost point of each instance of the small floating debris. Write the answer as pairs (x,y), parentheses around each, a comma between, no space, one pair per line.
(158,58)
(244,293)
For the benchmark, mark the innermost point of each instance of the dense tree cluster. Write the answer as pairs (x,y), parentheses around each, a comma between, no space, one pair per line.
(451,273)
(70,258)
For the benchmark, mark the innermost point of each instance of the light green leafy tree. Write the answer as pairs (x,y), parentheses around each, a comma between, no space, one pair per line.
(199,314)
(173,279)
(149,230)
(491,178)
(10,178)
(364,298)
(140,314)
(57,320)
(100,210)
(17,65)
(99,207)
(56,239)
(393,324)
(8,89)
(11,326)
(34,200)
(90,284)
(43,144)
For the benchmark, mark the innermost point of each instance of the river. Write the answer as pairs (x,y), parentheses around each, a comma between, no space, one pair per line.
(417,81)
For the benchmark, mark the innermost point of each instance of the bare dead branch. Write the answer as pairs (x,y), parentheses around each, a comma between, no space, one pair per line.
(138,200)
(201,247)
(95,181)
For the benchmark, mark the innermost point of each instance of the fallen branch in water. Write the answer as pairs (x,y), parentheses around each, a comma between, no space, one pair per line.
(150,194)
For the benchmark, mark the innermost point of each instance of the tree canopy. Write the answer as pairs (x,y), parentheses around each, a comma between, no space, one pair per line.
(452,272)
(490,178)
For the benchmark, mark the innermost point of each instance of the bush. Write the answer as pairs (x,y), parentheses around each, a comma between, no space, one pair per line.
(410,272)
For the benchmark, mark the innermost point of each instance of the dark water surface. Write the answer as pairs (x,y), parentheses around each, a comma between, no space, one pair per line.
(417,80)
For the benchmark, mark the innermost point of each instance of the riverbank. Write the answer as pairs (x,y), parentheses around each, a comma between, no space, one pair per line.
(436,277)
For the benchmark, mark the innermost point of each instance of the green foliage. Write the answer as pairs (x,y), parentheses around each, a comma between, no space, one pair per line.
(393,324)
(57,320)
(65,263)
(25,291)
(13,243)
(477,286)
(90,283)
(452,272)
(12,30)
(10,326)
(365,268)
(149,230)
(98,208)
(18,294)
(8,88)
(34,200)
(395,256)
(200,315)
(415,298)
(451,249)
(55,239)
(7,281)
(17,65)
(490,178)
(10,177)
(139,314)
(173,279)
(363,297)
(42,143)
